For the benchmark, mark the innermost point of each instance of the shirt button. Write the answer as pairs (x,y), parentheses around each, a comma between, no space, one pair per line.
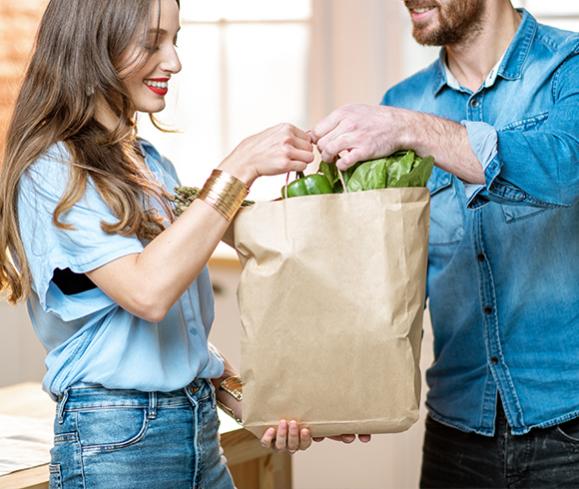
(481,257)
(488,310)
(474,103)
(494,360)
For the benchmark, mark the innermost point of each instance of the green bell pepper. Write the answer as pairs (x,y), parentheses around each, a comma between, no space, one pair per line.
(314,184)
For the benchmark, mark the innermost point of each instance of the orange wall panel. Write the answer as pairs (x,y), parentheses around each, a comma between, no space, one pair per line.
(18,25)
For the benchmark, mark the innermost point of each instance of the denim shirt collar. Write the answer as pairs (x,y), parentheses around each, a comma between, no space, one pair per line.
(511,68)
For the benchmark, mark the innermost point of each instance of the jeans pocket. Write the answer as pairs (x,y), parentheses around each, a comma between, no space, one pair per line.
(570,431)
(55,477)
(111,428)
(514,213)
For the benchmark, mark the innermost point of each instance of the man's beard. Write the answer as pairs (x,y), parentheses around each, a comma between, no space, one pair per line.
(458,20)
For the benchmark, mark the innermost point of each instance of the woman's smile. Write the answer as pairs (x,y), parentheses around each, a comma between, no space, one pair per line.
(159,86)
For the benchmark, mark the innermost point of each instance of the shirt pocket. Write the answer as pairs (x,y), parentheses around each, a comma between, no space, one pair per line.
(446,212)
(528,123)
(111,428)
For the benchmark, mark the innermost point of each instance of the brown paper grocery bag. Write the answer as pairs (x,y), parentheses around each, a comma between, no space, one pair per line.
(331,298)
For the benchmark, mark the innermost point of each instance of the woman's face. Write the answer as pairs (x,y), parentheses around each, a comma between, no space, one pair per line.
(149,84)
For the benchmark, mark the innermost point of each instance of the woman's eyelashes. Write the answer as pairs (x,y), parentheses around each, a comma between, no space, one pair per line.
(154,47)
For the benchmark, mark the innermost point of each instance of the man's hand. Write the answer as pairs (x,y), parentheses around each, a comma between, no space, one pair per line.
(345,438)
(363,132)
(357,133)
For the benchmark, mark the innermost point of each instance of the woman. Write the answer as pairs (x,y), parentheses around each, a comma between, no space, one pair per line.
(117,288)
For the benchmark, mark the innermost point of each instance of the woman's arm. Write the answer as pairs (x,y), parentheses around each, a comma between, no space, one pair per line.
(149,283)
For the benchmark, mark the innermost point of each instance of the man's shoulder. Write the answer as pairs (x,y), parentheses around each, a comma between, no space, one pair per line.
(409,91)
(558,43)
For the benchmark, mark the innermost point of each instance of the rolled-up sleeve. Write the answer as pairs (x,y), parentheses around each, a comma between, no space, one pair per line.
(537,167)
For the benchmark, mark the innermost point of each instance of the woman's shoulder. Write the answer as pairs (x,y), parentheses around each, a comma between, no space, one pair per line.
(164,163)
(50,169)
(54,161)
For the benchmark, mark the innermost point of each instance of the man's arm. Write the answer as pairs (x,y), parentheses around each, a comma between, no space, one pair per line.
(361,132)
(535,167)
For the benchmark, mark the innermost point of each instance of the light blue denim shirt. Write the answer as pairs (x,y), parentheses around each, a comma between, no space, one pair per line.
(503,272)
(89,338)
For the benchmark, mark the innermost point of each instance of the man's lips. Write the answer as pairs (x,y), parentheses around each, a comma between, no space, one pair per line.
(422,13)
(159,86)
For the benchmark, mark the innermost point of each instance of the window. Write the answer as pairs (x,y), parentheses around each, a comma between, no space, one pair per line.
(244,69)
(563,14)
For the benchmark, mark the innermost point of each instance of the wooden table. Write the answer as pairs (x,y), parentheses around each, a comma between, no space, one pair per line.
(252,466)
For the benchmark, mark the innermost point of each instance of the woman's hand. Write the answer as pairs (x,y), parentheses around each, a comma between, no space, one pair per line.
(287,437)
(277,150)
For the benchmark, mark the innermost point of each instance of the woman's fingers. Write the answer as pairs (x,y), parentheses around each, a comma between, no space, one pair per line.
(303,135)
(287,436)
(282,434)
(293,440)
(303,144)
(305,439)
(300,155)
(268,437)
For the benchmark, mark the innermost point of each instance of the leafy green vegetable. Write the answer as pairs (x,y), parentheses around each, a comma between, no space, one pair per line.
(331,173)
(408,170)
(184,197)
(402,169)
(370,175)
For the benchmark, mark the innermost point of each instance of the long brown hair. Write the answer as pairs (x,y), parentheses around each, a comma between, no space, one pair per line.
(75,63)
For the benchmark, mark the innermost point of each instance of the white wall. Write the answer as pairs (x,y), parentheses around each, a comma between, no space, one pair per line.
(21,354)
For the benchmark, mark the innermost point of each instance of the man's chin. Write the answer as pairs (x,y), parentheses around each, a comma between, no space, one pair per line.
(425,37)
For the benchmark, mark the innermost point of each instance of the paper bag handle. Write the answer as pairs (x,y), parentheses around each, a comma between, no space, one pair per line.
(341,177)
(287,176)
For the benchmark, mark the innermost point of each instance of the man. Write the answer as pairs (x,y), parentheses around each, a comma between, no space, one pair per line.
(499,111)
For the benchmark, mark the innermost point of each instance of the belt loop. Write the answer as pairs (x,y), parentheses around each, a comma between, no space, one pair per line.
(152,410)
(61,406)
(213,394)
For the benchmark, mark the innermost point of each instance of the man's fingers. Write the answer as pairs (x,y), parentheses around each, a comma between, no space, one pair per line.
(348,438)
(326,125)
(350,158)
(365,438)
(334,143)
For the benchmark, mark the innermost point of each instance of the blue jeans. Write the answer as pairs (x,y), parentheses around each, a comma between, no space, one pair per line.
(125,439)
(541,459)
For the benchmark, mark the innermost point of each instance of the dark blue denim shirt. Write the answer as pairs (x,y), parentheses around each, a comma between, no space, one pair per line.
(503,273)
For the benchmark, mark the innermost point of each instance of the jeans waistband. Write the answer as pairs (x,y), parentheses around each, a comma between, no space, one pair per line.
(95,396)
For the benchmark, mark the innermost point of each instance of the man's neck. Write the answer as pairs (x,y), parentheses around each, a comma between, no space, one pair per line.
(471,61)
